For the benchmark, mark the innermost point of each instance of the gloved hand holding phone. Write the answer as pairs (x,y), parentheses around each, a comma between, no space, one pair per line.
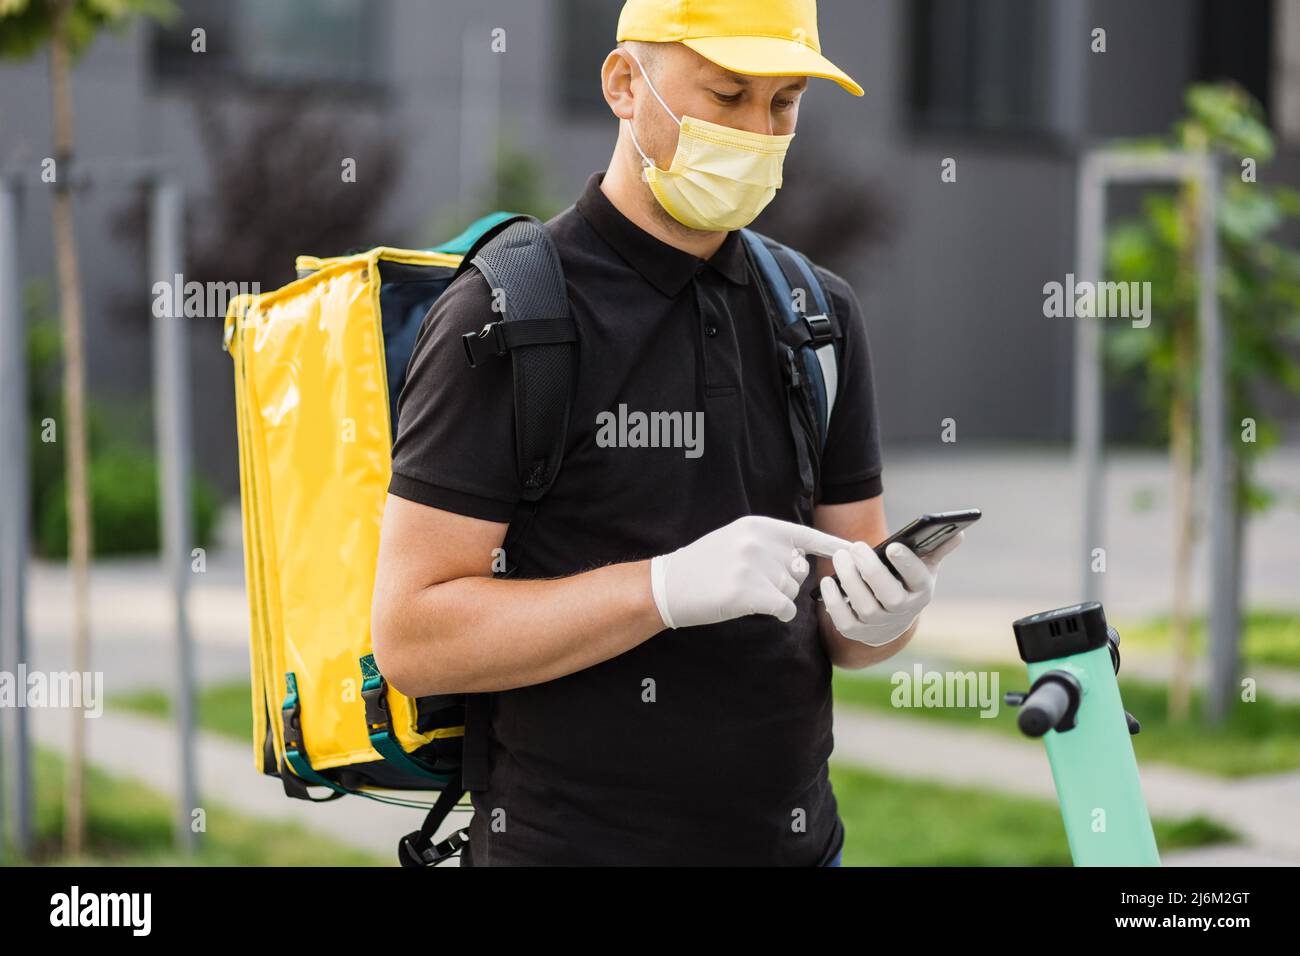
(874,607)
(755,565)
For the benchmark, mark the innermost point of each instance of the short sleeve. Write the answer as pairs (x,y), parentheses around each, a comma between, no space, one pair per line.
(851,462)
(455,424)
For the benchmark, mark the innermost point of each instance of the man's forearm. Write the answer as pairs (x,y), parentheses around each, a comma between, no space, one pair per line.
(477,634)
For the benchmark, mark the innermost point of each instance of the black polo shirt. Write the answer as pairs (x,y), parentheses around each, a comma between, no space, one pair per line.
(704,745)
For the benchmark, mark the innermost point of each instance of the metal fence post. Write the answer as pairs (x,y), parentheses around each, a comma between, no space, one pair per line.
(13,515)
(172,424)
(1218,472)
(1088,407)
(1218,460)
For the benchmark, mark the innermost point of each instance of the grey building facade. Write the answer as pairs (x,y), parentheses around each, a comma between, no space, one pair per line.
(1010,89)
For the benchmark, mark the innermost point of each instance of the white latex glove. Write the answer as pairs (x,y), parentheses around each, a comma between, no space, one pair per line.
(754,565)
(879,609)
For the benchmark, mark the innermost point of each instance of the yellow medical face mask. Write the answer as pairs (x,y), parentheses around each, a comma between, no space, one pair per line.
(720,178)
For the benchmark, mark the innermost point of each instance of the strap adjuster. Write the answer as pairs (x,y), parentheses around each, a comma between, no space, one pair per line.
(821,329)
(416,850)
(375,699)
(498,338)
(477,346)
(809,331)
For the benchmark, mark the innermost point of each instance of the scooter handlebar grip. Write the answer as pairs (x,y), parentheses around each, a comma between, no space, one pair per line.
(1044,708)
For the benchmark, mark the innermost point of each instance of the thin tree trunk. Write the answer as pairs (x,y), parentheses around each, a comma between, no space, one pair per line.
(1245,472)
(1180,440)
(1182,451)
(74,398)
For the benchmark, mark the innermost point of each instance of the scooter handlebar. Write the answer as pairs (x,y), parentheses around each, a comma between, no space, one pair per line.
(1043,709)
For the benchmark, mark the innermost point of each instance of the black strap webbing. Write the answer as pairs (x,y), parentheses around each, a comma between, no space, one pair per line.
(498,338)
(418,848)
(522,268)
(798,280)
(803,428)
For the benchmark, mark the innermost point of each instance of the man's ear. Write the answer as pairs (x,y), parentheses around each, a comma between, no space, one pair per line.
(616,83)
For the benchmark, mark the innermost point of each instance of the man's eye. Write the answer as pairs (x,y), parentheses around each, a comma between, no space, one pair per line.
(782,105)
(726,97)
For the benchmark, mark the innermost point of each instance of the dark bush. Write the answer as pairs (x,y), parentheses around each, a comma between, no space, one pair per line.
(124,508)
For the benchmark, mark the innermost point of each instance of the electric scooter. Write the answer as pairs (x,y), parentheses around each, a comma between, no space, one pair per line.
(1074,704)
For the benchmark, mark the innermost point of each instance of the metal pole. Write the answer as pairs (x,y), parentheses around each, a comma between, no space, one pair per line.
(13,510)
(1219,471)
(1088,409)
(171,419)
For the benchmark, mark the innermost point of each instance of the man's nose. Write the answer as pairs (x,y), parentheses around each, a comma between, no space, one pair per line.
(757,118)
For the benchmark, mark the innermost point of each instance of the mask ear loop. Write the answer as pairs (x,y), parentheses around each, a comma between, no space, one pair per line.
(646,76)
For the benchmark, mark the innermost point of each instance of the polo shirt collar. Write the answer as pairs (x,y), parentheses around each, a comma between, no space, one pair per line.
(667,269)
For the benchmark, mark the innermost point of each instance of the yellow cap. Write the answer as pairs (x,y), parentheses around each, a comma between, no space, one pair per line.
(757,37)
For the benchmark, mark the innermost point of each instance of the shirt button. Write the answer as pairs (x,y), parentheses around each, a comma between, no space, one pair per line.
(710,330)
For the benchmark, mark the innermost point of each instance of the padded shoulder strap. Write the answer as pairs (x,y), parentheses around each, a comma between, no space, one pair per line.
(520,264)
(814,332)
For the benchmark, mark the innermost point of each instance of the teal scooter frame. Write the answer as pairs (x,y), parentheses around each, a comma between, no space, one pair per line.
(1074,705)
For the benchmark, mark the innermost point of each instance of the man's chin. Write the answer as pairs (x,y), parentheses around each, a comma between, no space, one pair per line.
(675,227)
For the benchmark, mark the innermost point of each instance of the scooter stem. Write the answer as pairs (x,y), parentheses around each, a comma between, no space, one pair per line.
(1074,705)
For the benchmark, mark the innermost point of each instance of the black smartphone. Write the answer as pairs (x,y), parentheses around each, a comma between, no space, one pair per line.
(924,535)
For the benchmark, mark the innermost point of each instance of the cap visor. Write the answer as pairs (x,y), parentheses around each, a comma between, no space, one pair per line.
(769,56)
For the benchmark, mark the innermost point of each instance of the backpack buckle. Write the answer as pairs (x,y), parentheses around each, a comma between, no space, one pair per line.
(415,849)
(820,328)
(478,346)
(375,699)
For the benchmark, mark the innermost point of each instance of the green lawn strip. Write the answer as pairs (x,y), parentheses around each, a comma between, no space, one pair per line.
(129,824)
(893,822)
(222,708)
(1260,737)
(1268,637)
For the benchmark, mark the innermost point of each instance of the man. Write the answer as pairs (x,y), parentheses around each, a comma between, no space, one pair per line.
(657,674)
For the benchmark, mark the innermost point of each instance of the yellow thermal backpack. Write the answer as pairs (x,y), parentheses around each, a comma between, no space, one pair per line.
(319,365)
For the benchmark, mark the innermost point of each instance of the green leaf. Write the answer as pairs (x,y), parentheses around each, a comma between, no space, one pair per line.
(1231,119)
(27,26)
(1248,213)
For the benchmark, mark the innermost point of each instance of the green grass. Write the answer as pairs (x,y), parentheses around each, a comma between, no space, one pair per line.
(891,822)
(1259,737)
(129,824)
(224,709)
(1269,637)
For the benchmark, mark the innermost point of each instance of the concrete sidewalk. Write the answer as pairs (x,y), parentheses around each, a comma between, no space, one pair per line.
(1025,553)
(1020,558)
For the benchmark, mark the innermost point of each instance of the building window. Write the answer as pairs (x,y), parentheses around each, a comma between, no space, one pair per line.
(987,67)
(281,42)
(587,29)
(1235,45)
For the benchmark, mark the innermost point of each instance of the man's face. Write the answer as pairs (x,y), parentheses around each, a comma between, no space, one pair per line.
(694,86)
